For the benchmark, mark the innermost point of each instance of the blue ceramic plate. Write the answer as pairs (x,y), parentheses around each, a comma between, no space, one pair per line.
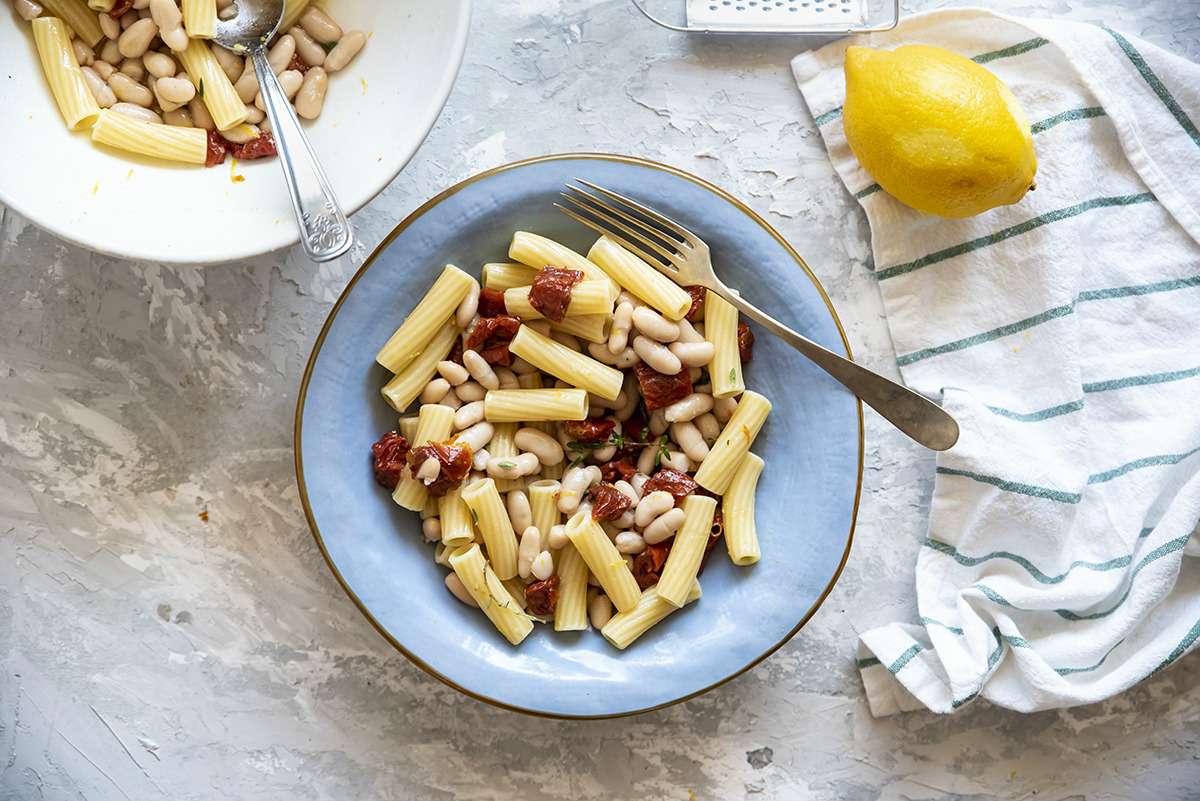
(807,496)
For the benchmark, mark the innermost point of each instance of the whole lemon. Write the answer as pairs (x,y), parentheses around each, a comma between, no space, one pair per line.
(936,130)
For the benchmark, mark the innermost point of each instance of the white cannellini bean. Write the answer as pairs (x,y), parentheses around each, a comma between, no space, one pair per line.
(135,112)
(347,48)
(566,340)
(469,414)
(626,489)
(654,325)
(169,19)
(545,447)
(522,367)
(84,54)
(558,537)
(541,326)
(29,11)
(99,89)
(528,550)
(429,470)
(690,440)
(128,18)
(677,460)
(255,115)
(693,354)
(280,54)
(467,306)
(310,52)
(710,429)
(103,69)
(599,611)
(723,408)
(510,467)
(622,360)
(311,97)
(247,85)
(543,566)
(638,482)
(242,133)
(200,116)
(479,462)
(136,39)
(435,390)
(470,391)
(175,90)
(506,377)
(651,506)
(656,355)
(431,529)
(317,24)
(648,459)
(688,408)
(622,323)
(630,542)
(110,27)
(134,68)
(180,117)
(110,52)
(688,332)
(458,590)
(657,423)
(575,482)
(520,514)
(452,372)
(289,80)
(477,436)
(664,526)
(480,370)
(450,401)
(231,63)
(161,66)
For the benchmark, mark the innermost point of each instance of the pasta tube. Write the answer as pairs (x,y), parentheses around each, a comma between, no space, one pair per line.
(498,536)
(539,251)
(592,327)
(737,506)
(641,279)
(421,325)
(407,384)
(75,101)
(433,425)
(292,9)
(571,366)
(490,593)
(625,627)
(521,405)
(604,560)
(81,19)
(213,85)
(501,276)
(200,18)
(458,526)
(587,297)
(721,329)
(733,443)
(543,505)
(687,550)
(570,613)
(502,446)
(151,138)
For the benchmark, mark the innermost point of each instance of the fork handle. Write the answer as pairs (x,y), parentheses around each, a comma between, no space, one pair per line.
(914,414)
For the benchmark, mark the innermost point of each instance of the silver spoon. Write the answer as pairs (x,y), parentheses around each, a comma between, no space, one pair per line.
(324,231)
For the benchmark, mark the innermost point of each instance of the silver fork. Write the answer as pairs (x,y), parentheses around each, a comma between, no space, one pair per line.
(684,257)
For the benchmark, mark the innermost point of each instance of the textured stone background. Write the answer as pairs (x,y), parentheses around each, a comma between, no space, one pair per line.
(168,628)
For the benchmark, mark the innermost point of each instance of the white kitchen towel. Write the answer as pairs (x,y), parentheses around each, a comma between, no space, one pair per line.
(1063,333)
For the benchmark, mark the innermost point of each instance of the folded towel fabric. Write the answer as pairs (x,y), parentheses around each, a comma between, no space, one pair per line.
(1063,333)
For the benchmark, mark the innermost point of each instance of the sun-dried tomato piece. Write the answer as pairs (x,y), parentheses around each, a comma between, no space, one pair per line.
(491,336)
(592,431)
(608,502)
(297,64)
(389,453)
(217,146)
(260,147)
(542,596)
(647,565)
(745,342)
(678,484)
(550,293)
(491,303)
(660,390)
(698,294)
(119,8)
(455,459)
(617,470)
(455,354)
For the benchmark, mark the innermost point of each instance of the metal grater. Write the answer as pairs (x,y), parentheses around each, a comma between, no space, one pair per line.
(774,16)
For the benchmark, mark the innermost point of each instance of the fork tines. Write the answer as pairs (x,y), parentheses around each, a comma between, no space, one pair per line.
(634,226)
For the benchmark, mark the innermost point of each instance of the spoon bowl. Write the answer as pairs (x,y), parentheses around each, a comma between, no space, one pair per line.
(325,232)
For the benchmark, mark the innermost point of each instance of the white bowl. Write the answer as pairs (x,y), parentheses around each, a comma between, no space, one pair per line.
(377,112)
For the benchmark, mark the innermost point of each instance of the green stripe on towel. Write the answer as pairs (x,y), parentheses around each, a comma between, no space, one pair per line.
(1141,380)
(1012,231)
(1039,576)
(1067,116)
(987,336)
(905,658)
(1015,486)
(1156,85)
(1165,549)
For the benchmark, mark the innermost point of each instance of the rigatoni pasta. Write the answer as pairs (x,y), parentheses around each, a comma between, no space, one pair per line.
(575,477)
